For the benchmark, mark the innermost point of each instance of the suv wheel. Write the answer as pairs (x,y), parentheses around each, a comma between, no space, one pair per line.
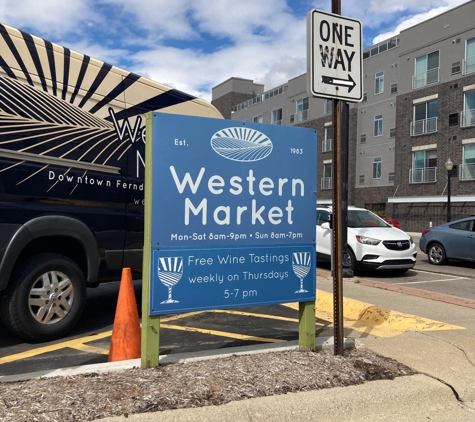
(45,298)
(436,254)
(352,259)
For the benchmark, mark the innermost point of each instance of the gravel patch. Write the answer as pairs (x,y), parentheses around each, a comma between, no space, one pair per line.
(187,385)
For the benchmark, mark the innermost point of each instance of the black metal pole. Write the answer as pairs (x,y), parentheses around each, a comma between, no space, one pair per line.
(338,226)
(448,195)
(345,144)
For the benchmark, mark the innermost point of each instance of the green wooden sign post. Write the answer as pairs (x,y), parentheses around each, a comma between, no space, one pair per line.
(150,324)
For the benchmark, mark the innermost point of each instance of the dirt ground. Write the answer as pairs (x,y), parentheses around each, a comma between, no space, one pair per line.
(183,385)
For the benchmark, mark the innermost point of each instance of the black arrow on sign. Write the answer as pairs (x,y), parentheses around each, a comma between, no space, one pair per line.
(350,83)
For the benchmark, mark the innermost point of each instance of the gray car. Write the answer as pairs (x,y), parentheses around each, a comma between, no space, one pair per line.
(454,240)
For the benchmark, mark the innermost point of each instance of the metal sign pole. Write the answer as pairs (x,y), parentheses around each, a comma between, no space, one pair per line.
(337,221)
(337,234)
(330,35)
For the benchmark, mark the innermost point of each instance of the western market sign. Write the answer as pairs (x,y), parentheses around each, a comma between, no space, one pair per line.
(230,214)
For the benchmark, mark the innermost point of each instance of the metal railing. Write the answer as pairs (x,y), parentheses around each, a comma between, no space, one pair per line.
(277,122)
(468,65)
(326,145)
(425,78)
(300,116)
(467,118)
(421,127)
(423,175)
(467,171)
(326,183)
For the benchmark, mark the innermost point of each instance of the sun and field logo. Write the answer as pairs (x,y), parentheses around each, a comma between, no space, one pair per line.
(241,144)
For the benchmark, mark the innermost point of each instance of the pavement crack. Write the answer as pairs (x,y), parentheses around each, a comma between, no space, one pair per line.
(445,383)
(452,344)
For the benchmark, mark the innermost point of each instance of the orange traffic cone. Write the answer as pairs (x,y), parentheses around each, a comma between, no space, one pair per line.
(125,340)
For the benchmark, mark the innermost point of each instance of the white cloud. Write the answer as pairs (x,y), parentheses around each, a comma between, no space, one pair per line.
(408,22)
(194,45)
(52,18)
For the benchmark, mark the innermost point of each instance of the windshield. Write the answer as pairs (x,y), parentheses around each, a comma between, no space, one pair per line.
(362,218)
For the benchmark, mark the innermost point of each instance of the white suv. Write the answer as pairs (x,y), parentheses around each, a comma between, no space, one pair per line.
(372,243)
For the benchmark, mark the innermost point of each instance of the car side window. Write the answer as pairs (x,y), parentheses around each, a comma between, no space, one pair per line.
(462,225)
(322,217)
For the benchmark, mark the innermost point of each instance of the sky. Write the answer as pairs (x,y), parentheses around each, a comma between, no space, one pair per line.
(194,45)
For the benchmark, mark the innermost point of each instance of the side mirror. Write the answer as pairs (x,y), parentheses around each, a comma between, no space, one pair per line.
(326,226)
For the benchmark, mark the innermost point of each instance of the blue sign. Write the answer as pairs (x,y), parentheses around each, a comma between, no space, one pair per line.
(241,190)
(217,278)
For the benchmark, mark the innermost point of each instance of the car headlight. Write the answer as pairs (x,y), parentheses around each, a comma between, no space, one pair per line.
(367,240)
(411,240)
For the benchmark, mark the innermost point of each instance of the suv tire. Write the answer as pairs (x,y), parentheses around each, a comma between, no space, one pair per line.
(45,298)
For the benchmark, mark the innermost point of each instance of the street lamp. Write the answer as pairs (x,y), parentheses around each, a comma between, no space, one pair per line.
(448,166)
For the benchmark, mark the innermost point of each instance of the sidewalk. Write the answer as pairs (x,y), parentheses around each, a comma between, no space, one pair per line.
(445,358)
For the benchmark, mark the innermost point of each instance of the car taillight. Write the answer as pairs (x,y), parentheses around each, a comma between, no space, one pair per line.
(425,232)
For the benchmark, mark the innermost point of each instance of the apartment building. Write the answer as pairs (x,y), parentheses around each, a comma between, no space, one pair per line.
(418,110)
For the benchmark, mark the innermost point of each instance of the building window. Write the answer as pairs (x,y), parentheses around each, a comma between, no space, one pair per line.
(363,138)
(276,118)
(392,132)
(467,171)
(378,125)
(426,70)
(453,119)
(379,83)
(424,167)
(327,140)
(327,176)
(455,68)
(393,88)
(258,119)
(377,168)
(468,113)
(328,107)
(425,118)
(391,177)
(365,97)
(301,110)
(469,60)
(361,180)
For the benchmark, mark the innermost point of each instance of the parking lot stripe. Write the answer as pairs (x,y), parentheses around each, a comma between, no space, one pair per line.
(434,281)
(91,349)
(53,347)
(375,320)
(222,334)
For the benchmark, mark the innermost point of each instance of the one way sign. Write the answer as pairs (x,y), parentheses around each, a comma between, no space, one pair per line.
(334,56)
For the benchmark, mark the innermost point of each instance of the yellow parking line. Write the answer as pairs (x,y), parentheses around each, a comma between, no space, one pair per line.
(53,347)
(222,334)
(372,319)
(91,349)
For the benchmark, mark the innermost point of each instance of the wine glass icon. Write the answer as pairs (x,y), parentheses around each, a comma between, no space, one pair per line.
(170,270)
(301,266)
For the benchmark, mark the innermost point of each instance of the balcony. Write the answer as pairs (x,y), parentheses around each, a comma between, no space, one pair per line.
(423,175)
(421,127)
(467,172)
(300,116)
(467,118)
(425,78)
(468,65)
(326,183)
(326,145)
